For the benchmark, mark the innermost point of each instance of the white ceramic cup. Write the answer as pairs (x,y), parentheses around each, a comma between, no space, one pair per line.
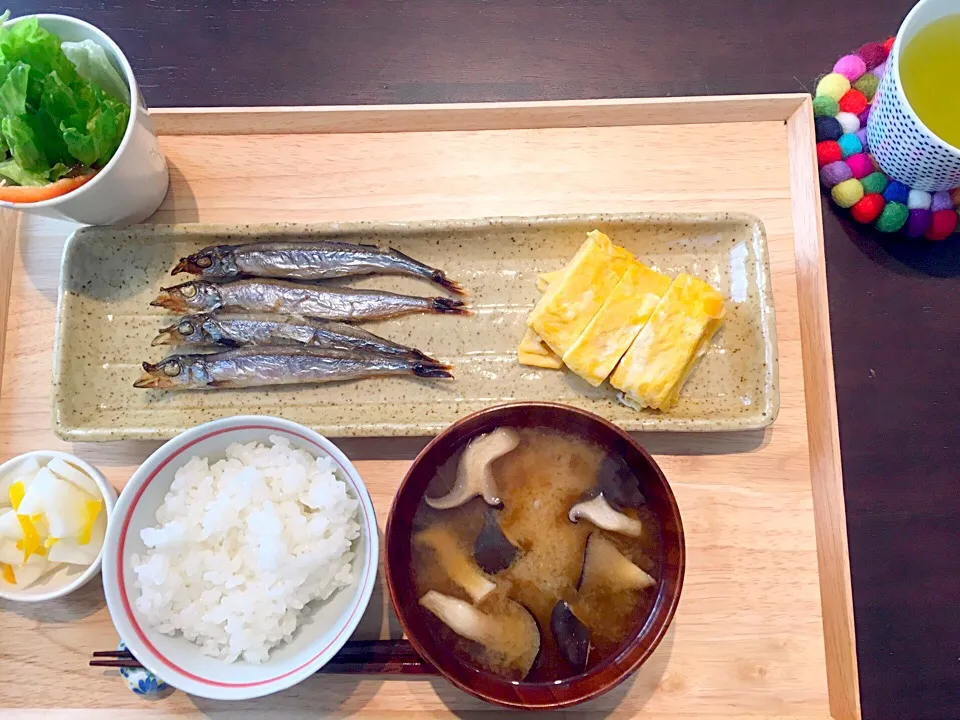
(906,149)
(133,184)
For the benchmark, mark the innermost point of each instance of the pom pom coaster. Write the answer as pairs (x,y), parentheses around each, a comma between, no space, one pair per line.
(848,171)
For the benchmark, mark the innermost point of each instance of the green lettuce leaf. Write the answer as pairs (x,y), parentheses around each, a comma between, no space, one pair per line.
(93,64)
(11,170)
(52,117)
(30,44)
(61,101)
(98,139)
(13,91)
(25,143)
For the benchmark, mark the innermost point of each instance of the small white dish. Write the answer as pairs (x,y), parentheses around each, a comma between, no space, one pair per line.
(323,627)
(67,578)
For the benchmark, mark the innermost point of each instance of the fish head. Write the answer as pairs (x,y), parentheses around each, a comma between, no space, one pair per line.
(174,371)
(216,261)
(190,296)
(188,330)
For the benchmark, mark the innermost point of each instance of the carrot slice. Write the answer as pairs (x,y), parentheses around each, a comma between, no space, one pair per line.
(24,194)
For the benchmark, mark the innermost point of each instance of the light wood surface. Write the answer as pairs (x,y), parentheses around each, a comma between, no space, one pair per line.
(475,116)
(751,637)
(822,429)
(9,224)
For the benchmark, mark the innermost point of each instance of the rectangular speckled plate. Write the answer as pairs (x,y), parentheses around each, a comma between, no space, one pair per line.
(105,325)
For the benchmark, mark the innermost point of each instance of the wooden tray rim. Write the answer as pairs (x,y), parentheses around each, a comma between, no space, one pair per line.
(793,109)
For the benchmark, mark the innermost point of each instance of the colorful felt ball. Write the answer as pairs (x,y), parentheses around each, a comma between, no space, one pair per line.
(868,208)
(851,67)
(918,222)
(848,121)
(833,85)
(841,108)
(942,225)
(827,128)
(896,192)
(862,137)
(835,173)
(825,106)
(875,182)
(849,145)
(860,164)
(872,54)
(893,217)
(848,193)
(853,101)
(867,84)
(827,152)
(918,200)
(941,201)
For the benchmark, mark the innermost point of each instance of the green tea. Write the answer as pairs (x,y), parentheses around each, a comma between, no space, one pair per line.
(929,70)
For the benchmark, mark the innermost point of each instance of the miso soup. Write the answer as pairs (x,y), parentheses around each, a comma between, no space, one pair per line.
(508,580)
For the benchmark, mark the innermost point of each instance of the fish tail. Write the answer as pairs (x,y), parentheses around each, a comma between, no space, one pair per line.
(426,370)
(440,278)
(446,305)
(420,356)
(432,274)
(426,361)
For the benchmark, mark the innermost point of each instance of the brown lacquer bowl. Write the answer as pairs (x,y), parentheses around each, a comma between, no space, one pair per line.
(484,685)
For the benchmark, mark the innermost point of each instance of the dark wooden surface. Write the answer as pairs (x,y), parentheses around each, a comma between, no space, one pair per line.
(895,304)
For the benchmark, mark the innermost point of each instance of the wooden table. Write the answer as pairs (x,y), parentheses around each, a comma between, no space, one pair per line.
(894,304)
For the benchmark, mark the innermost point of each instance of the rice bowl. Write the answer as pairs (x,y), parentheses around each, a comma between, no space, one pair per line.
(302,592)
(243,545)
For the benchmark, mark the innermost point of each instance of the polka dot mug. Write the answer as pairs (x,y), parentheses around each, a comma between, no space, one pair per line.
(904,147)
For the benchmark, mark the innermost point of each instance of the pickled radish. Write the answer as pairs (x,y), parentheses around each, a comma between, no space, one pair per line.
(50,515)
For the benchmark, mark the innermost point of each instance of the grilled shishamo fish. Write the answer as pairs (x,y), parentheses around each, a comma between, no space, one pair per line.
(258,366)
(277,296)
(307,261)
(240,331)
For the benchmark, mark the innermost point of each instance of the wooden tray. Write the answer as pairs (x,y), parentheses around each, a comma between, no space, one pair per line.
(765,624)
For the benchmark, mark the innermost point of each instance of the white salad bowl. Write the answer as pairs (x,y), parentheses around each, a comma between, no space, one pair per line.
(324,625)
(67,578)
(134,182)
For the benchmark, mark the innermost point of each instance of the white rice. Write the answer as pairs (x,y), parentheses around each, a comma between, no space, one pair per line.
(242,545)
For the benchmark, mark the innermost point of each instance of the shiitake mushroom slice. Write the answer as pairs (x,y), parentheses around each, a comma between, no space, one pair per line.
(605,567)
(474,476)
(571,636)
(598,511)
(455,561)
(618,484)
(515,635)
(492,550)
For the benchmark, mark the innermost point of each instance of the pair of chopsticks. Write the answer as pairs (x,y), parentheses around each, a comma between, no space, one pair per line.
(356,657)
